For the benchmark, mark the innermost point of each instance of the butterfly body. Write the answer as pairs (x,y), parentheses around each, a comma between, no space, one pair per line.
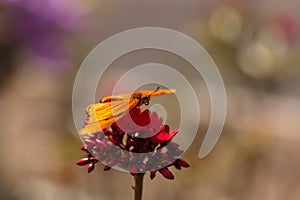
(112,108)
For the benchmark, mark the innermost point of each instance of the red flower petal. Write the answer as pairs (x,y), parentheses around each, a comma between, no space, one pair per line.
(83,161)
(182,163)
(133,170)
(165,136)
(177,166)
(167,173)
(111,163)
(142,118)
(166,129)
(91,167)
(156,122)
(106,168)
(83,148)
(152,174)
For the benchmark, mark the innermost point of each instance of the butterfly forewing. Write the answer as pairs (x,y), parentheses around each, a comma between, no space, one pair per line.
(161,92)
(119,97)
(112,108)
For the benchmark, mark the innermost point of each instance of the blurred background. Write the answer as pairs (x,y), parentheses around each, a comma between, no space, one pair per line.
(255,44)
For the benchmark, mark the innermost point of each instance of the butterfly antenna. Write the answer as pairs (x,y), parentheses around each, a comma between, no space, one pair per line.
(154,91)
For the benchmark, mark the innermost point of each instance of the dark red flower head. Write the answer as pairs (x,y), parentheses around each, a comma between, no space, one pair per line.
(138,142)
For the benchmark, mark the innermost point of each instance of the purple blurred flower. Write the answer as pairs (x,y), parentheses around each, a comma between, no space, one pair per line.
(41,28)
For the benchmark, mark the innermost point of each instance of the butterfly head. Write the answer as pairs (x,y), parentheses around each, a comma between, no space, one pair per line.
(145,100)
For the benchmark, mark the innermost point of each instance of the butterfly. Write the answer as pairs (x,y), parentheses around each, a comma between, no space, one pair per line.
(112,108)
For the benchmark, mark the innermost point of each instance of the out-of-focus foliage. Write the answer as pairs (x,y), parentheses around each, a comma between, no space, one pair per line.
(255,45)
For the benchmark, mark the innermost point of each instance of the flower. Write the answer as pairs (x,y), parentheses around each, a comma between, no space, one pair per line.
(138,142)
(41,28)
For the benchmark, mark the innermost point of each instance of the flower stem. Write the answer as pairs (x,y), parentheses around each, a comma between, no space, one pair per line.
(138,188)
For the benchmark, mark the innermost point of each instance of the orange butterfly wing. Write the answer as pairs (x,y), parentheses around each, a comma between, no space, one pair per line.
(158,92)
(112,108)
(129,95)
(102,115)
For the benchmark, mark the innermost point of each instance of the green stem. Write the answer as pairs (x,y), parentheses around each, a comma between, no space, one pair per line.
(138,188)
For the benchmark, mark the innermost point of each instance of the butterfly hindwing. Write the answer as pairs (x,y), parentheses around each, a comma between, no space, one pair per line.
(102,115)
